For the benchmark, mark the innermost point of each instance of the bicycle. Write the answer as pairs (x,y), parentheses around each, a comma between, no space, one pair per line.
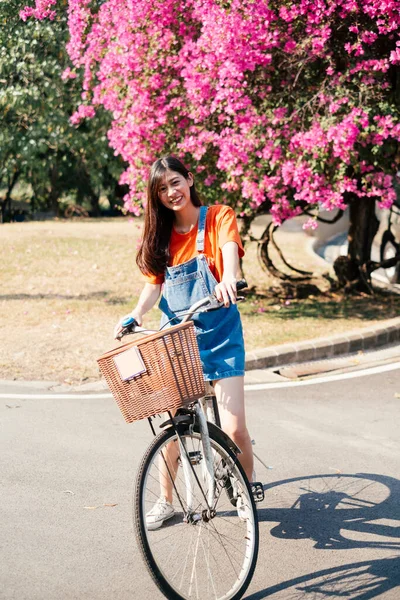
(390,247)
(208,548)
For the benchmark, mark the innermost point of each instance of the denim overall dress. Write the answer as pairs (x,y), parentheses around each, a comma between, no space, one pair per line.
(219,332)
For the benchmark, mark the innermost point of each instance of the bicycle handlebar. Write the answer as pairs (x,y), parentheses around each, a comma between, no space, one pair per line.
(130,325)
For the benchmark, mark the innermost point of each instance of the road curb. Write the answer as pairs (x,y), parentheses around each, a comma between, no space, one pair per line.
(377,336)
(369,338)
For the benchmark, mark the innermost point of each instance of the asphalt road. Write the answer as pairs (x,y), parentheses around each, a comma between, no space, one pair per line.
(329,524)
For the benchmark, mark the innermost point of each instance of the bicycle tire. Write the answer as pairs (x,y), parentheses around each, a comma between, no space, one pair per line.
(386,237)
(389,246)
(168,551)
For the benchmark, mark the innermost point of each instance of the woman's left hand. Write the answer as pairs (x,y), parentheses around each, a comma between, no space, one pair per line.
(226,291)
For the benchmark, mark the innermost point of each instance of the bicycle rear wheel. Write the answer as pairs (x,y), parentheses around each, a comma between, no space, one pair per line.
(192,555)
(389,249)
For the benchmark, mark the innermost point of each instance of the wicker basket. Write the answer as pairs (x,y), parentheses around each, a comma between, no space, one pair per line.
(172,375)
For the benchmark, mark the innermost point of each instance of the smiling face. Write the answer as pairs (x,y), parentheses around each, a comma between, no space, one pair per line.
(174,190)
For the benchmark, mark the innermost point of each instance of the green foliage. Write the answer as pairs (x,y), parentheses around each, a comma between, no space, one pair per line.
(38,144)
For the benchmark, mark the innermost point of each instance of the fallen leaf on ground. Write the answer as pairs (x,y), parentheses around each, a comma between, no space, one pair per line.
(110,504)
(91,507)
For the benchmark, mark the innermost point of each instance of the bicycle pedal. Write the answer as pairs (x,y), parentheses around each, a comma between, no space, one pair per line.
(257,490)
(194,457)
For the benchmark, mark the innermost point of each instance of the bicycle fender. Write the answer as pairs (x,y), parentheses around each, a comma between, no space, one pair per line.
(219,432)
(181,426)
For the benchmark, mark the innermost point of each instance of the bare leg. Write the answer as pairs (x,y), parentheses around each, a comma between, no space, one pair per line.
(170,459)
(230,397)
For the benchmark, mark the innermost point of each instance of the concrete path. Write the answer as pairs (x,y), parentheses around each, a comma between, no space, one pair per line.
(328,525)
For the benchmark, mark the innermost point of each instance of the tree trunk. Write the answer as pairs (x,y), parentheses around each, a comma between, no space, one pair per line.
(6,203)
(95,204)
(116,199)
(351,270)
(4,206)
(363,228)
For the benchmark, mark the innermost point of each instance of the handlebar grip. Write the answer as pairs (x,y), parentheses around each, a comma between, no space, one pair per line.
(241,285)
(128,322)
(128,326)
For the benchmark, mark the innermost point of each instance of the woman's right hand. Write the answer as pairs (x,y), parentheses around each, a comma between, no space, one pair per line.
(118,328)
(147,299)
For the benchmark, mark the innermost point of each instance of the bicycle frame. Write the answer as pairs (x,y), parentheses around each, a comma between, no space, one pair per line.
(187,418)
(188,469)
(199,416)
(208,455)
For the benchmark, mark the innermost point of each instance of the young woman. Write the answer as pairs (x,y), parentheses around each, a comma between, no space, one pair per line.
(189,251)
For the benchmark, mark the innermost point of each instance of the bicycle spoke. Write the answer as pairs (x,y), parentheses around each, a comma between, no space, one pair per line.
(178,479)
(193,575)
(207,560)
(219,536)
(159,541)
(186,561)
(207,557)
(229,557)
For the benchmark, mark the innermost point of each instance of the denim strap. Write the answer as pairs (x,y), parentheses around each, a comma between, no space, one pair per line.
(201,229)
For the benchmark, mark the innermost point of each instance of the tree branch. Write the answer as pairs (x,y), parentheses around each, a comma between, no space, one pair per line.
(266,261)
(275,245)
(335,219)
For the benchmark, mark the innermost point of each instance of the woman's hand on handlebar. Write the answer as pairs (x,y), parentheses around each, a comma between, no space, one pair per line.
(135,315)
(225,291)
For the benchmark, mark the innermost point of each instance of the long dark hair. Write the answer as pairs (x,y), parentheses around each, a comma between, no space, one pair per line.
(153,254)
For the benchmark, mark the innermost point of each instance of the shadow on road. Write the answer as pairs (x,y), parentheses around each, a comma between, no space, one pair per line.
(343,511)
(337,512)
(358,581)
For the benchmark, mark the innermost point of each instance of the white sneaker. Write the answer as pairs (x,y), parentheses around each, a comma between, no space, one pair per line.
(161,511)
(242,508)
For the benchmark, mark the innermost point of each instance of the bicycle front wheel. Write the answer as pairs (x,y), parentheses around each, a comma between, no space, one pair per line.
(192,555)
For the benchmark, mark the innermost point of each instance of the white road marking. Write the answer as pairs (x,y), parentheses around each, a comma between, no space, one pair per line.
(53,396)
(318,380)
(250,387)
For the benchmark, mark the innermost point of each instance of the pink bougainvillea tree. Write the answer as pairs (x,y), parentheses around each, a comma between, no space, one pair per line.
(280,106)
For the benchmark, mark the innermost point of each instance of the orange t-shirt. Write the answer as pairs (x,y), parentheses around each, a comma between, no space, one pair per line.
(221,227)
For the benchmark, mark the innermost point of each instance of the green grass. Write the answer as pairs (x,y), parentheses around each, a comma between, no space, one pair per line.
(64,285)
(292,320)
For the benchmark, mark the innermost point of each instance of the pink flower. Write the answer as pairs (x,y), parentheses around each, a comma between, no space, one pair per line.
(223,89)
(210,179)
(84,111)
(41,11)
(394,57)
(290,46)
(68,74)
(311,223)
(369,37)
